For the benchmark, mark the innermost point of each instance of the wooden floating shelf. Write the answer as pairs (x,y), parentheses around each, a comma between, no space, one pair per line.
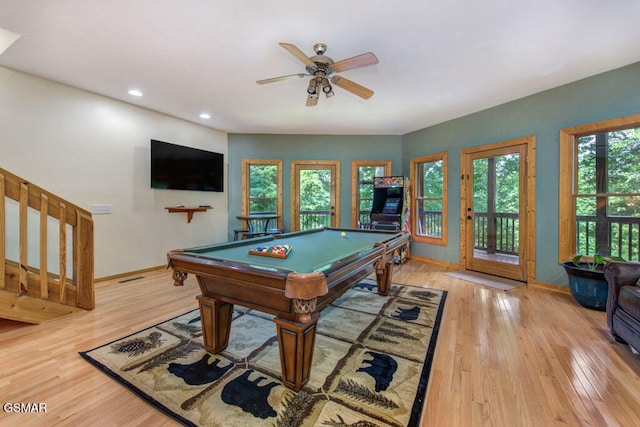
(188,210)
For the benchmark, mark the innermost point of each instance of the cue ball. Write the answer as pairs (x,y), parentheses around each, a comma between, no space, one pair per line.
(343,234)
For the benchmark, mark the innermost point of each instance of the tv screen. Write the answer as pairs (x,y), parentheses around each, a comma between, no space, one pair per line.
(176,167)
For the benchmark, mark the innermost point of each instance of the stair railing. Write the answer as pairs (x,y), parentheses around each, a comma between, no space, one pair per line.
(37,281)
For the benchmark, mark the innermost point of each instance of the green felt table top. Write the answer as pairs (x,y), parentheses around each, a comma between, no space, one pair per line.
(310,251)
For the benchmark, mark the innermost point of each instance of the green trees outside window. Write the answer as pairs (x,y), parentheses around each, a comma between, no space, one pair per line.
(366,174)
(263,189)
(315,198)
(429,202)
(496,202)
(429,180)
(607,203)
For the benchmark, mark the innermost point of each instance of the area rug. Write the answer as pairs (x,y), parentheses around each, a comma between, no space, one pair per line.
(487,280)
(371,365)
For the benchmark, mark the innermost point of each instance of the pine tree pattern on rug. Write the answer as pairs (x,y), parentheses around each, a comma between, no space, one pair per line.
(370,368)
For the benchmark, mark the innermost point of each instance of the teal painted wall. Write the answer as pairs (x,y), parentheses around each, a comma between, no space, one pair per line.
(307,147)
(605,96)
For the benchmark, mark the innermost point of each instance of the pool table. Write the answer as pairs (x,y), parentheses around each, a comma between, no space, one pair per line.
(321,266)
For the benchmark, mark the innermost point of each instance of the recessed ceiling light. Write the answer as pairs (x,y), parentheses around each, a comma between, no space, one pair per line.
(135,92)
(205,116)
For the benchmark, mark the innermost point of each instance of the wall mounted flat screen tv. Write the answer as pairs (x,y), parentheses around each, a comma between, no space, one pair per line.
(176,167)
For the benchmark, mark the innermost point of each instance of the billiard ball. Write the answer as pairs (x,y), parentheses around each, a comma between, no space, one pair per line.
(343,234)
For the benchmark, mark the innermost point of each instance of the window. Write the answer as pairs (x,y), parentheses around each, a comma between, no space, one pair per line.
(429,182)
(262,187)
(599,189)
(362,174)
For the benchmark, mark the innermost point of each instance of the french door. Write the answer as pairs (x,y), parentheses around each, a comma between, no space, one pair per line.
(315,200)
(498,208)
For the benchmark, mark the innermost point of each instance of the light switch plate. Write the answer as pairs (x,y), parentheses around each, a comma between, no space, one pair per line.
(101,209)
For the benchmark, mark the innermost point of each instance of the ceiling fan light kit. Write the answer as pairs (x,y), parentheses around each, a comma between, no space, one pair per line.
(320,67)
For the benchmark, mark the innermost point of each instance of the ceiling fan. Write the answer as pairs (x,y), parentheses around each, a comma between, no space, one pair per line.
(320,67)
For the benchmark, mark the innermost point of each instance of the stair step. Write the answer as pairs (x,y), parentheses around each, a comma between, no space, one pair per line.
(32,310)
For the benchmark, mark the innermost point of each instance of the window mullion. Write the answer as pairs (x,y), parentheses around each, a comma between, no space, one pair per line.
(602,224)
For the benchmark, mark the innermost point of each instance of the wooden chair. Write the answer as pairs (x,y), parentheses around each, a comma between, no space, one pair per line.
(257,227)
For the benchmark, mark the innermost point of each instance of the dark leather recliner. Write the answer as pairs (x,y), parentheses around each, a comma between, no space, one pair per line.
(623,302)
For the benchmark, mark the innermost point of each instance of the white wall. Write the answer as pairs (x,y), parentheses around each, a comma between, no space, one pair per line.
(90,150)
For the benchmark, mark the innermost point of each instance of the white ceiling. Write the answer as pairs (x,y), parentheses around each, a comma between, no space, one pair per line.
(439,59)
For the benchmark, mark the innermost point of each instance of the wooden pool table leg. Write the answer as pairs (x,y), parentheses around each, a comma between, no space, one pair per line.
(384,271)
(216,323)
(296,342)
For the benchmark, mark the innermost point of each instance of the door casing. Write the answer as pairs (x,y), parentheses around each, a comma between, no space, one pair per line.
(296,167)
(525,270)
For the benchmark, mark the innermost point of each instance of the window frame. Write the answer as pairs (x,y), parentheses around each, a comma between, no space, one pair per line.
(567,186)
(414,162)
(355,184)
(246,184)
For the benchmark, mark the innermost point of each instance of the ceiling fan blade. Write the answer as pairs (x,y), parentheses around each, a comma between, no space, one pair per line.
(363,60)
(312,101)
(293,50)
(281,78)
(352,87)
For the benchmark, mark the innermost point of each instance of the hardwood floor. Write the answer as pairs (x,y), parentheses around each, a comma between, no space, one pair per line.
(527,357)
